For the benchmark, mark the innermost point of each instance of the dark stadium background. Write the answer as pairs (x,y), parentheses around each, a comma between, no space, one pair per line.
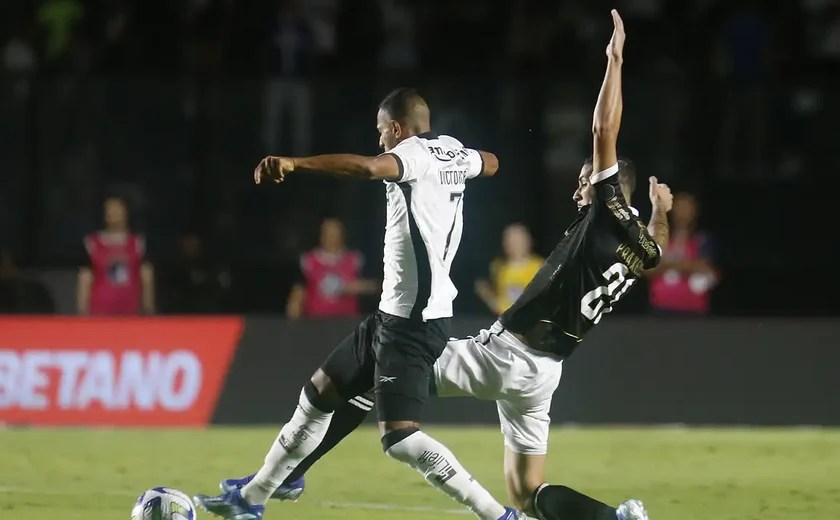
(162,103)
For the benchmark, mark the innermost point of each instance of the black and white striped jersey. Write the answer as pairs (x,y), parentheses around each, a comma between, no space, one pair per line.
(424,225)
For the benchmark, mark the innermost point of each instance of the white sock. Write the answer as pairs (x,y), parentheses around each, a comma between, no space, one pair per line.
(441,469)
(298,438)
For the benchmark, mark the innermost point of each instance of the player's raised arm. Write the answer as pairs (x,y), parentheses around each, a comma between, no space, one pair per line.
(607,118)
(382,167)
(661,201)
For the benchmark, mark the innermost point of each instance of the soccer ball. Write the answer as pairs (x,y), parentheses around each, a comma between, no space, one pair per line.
(162,503)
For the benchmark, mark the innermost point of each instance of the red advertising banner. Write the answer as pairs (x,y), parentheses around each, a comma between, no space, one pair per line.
(63,371)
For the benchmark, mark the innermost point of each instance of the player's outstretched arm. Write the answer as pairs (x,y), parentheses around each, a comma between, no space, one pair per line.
(382,167)
(607,118)
(489,164)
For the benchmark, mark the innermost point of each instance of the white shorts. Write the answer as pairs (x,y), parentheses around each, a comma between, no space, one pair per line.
(496,366)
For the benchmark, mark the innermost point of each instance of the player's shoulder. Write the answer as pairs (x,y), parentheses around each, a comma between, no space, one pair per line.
(414,145)
(450,141)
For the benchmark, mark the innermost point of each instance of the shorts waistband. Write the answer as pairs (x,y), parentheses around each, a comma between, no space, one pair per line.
(498,329)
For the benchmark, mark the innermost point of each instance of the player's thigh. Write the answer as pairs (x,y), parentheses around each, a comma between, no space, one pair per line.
(405,352)
(525,424)
(349,368)
(523,475)
(471,367)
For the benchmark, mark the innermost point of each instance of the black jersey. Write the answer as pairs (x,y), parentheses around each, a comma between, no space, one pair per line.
(602,254)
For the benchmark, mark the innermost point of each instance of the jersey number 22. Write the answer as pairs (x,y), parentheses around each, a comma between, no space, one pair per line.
(599,301)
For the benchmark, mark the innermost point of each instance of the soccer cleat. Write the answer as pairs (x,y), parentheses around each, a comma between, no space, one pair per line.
(230,506)
(287,492)
(513,514)
(631,510)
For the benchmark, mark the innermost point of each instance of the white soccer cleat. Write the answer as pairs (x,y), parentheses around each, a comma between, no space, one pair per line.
(631,510)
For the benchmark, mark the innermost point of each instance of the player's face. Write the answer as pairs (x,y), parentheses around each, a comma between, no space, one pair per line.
(583,193)
(389,130)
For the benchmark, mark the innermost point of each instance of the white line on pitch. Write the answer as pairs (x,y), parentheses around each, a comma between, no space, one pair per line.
(337,505)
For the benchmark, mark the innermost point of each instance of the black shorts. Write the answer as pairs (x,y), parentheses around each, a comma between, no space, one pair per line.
(393,356)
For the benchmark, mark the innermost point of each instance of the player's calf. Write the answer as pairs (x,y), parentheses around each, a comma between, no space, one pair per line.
(297,439)
(563,503)
(442,470)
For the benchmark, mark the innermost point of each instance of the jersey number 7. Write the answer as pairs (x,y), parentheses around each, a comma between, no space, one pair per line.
(455,197)
(599,301)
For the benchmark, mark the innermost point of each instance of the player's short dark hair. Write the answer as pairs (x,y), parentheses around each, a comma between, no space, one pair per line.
(626,172)
(399,102)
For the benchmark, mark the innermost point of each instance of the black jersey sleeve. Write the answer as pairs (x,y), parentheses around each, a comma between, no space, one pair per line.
(609,203)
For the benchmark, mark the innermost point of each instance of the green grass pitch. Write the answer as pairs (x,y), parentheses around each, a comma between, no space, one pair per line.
(681,474)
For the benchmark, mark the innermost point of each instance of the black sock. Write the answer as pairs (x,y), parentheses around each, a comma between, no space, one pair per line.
(346,418)
(562,503)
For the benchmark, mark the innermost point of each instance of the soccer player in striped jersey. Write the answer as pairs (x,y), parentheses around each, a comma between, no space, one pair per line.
(393,350)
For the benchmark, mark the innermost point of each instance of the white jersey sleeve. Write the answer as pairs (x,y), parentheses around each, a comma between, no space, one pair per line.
(412,159)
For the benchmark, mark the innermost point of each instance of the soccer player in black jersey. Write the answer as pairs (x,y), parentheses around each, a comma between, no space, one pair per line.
(517,362)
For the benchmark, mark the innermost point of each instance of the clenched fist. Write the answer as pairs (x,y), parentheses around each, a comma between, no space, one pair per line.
(273,168)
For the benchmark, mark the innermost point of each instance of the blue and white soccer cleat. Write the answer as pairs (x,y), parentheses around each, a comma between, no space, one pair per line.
(230,506)
(631,510)
(287,492)
(513,514)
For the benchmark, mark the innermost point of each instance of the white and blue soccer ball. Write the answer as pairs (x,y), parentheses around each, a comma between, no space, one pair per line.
(163,503)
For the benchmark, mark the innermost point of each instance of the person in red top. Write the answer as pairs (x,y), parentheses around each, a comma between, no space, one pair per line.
(331,278)
(118,281)
(683,280)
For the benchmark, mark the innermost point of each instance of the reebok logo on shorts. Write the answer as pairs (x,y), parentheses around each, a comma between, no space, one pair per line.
(387,379)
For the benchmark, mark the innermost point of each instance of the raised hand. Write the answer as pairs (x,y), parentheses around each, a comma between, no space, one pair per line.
(660,195)
(615,50)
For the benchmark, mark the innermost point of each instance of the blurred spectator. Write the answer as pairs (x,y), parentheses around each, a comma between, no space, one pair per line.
(20,58)
(60,21)
(291,44)
(684,278)
(509,275)
(119,280)
(398,51)
(194,285)
(322,16)
(742,62)
(332,283)
(19,293)
(204,24)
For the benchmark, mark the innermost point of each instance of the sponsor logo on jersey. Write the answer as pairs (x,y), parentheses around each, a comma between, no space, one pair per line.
(618,209)
(114,372)
(448,154)
(647,244)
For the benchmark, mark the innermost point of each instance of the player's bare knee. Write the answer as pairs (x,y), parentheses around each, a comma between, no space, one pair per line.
(322,393)
(389,426)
